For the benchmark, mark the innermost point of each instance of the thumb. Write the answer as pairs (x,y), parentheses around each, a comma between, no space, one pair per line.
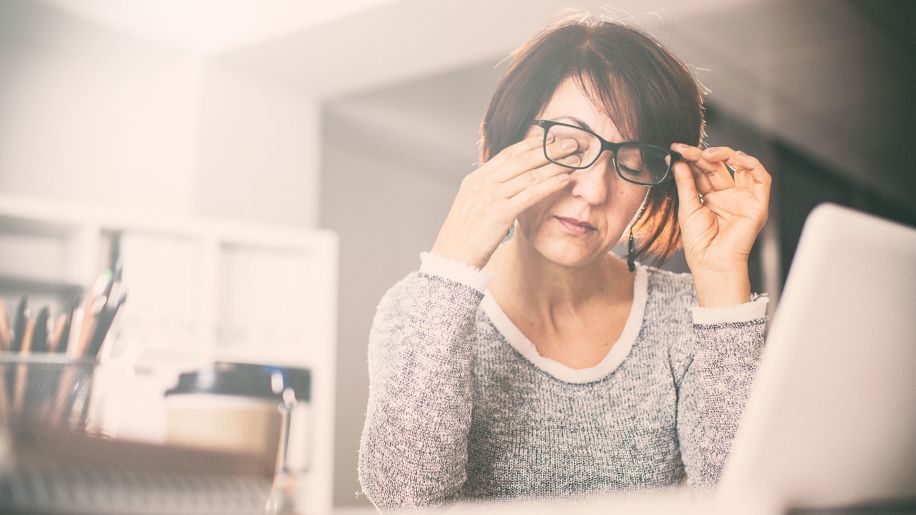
(686,189)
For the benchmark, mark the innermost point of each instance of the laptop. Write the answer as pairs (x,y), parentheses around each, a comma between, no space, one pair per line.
(831,419)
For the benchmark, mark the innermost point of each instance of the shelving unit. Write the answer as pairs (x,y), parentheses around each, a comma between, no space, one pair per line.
(199,291)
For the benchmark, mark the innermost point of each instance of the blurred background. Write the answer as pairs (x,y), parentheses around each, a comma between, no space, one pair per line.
(266,170)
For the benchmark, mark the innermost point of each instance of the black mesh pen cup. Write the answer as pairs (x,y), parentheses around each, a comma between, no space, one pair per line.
(45,391)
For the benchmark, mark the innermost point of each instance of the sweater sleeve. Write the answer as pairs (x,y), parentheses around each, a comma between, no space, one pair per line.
(413,448)
(713,370)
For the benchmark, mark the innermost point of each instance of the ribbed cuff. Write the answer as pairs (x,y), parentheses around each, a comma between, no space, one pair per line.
(455,270)
(751,310)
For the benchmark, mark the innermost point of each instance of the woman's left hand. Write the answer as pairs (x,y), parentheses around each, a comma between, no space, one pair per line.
(718,232)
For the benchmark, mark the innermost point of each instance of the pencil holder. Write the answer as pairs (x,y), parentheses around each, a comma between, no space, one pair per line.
(46,391)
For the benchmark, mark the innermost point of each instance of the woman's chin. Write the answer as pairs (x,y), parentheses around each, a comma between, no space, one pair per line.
(566,254)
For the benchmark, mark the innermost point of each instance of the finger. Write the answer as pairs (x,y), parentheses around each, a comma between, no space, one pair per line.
(762,181)
(718,154)
(709,164)
(535,158)
(691,154)
(743,178)
(520,147)
(537,192)
(712,163)
(534,176)
(726,155)
(753,165)
(686,190)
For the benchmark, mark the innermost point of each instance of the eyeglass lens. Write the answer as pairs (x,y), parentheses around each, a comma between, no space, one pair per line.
(644,164)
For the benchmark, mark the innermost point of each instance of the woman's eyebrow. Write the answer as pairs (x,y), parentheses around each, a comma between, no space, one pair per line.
(577,121)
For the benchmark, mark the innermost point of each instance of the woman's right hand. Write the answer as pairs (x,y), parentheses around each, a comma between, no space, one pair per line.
(492,196)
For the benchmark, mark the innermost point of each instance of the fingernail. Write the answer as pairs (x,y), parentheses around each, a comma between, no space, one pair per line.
(740,153)
(551,137)
(572,160)
(568,144)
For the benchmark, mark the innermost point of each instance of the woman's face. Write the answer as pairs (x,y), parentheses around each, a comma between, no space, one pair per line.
(596,194)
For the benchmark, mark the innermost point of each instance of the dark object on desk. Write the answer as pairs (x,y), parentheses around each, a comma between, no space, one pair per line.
(876,507)
(246,380)
(65,473)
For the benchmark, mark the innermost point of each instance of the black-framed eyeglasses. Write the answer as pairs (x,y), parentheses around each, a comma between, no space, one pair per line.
(640,163)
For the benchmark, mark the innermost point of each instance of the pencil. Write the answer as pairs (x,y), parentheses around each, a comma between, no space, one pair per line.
(81,330)
(87,328)
(57,333)
(19,323)
(4,403)
(5,336)
(23,368)
(76,328)
(64,340)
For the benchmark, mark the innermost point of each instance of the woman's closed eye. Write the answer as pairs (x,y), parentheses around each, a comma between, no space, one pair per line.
(627,169)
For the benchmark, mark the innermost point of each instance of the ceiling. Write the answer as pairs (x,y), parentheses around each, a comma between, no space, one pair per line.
(208,27)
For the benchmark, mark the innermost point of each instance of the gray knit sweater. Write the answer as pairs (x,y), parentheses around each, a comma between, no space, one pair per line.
(462,406)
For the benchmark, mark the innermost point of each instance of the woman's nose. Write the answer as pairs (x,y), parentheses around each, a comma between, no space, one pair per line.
(591,184)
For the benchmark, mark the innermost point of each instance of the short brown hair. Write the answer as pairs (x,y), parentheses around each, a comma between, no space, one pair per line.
(648,93)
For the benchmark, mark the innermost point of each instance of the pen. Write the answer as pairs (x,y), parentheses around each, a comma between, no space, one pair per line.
(39,342)
(91,307)
(111,297)
(63,340)
(20,321)
(92,311)
(107,336)
(28,381)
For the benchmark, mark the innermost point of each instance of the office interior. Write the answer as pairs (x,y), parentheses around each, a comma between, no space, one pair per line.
(272,168)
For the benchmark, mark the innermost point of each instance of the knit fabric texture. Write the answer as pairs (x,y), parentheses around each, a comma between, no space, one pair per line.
(460,410)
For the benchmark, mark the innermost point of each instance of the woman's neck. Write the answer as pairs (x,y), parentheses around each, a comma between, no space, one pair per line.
(546,291)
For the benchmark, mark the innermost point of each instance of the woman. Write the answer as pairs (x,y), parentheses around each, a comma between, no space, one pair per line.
(542,365)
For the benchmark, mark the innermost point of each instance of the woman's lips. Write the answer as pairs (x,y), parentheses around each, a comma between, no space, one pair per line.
(572,227)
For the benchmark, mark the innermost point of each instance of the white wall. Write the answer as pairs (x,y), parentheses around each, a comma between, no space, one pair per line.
(258,149)
(92,115)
